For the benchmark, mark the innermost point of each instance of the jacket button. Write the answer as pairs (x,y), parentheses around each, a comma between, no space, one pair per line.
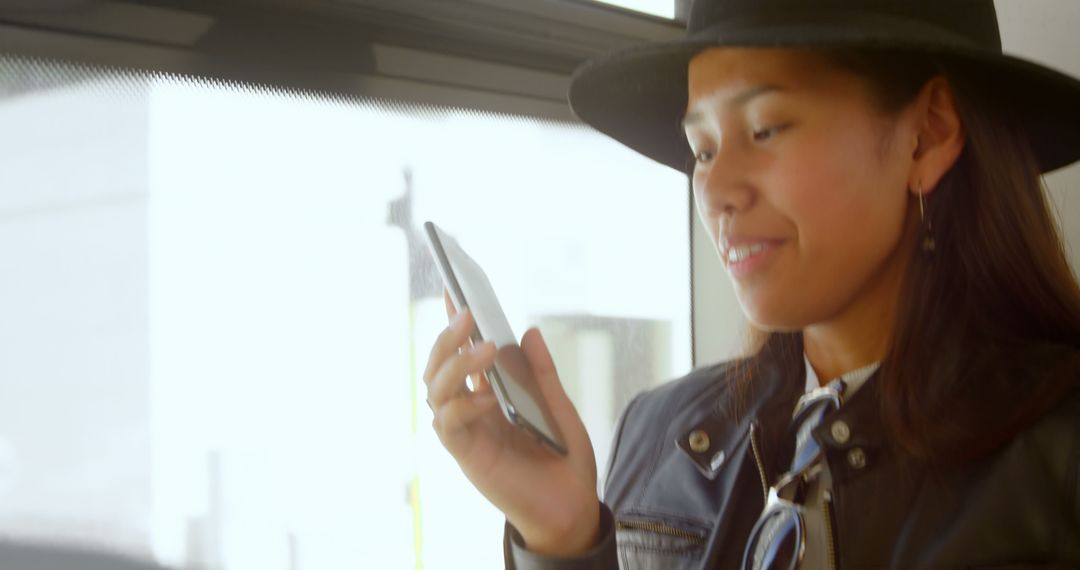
(840,431)
(699,441)
(856,458)
(717,460)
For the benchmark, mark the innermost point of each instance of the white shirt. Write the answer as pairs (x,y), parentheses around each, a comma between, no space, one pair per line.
(852,380)
(817,553)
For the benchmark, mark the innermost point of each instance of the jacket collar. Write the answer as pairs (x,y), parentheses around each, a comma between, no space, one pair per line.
(719,423)
(853,438)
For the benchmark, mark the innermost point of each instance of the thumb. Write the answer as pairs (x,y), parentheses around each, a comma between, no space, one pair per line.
(566,416)
(536,350)
(539,357)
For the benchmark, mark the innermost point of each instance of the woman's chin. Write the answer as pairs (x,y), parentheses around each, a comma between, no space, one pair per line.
(771,318)
(776,328)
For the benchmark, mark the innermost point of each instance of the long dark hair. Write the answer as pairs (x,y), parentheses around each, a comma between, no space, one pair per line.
(987,334)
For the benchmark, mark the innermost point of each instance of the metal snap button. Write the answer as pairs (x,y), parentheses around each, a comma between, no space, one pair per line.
(840,431)
(699,441)
(856,458)
(717,460)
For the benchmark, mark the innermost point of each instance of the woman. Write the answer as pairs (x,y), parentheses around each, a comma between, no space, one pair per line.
(869,172)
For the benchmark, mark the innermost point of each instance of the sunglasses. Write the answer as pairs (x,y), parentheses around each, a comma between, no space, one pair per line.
(778,539)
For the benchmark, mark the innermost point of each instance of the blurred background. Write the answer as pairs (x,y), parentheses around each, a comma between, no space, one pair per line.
(215,299)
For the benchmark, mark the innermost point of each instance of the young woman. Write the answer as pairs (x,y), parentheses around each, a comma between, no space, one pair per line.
(869,172)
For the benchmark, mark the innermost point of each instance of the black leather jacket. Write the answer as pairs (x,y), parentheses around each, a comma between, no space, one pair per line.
(669,506)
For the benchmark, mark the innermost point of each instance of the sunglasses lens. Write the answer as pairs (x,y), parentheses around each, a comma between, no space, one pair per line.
(775,541)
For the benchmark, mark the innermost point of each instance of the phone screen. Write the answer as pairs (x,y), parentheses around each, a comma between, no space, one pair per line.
(512,377)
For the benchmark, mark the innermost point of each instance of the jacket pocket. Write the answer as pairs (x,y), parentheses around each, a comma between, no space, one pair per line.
(650,542)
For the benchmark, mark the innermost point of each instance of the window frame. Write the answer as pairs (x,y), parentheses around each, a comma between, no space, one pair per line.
(319,44)
(419,52)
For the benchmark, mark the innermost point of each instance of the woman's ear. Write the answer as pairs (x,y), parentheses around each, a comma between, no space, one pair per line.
(940,134)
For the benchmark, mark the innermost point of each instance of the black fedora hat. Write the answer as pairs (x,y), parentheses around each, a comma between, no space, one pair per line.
(638,95)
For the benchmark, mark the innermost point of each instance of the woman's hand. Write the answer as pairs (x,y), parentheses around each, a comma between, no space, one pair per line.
(550,500)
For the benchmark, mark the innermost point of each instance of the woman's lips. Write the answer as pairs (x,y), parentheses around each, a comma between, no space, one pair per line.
(749,256)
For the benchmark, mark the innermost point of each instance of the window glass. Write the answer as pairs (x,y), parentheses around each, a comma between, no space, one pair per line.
(216,304)
(661,8)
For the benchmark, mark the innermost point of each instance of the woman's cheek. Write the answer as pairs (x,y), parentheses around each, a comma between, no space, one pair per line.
(699,204)
(808,201)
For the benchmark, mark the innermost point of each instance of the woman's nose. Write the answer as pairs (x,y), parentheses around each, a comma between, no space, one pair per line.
(722,186)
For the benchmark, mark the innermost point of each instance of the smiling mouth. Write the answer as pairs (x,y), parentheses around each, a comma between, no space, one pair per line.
(742,260)
(739,253)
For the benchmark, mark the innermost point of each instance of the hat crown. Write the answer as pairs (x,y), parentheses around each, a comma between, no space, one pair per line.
(973,20)
(638,95)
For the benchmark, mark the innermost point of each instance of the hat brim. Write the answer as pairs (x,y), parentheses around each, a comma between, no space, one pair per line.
(638,96)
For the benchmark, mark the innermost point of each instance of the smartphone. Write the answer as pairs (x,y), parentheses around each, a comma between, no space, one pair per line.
(511,377)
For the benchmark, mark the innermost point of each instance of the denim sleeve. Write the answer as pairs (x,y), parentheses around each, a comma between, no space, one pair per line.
(603,556)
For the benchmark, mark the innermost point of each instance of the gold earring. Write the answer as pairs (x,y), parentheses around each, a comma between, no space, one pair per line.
(928,243)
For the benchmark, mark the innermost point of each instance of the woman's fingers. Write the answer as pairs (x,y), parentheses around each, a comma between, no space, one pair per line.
(454,418)
(454,406)
(447,344)
(449,379)
(479,382)
(450,310)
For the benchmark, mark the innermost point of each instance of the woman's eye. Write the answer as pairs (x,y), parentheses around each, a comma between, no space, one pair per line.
(765,134)
(703,156)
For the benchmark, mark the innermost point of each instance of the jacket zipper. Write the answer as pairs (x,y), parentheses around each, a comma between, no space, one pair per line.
(830,537)
(662,529)
(760,465)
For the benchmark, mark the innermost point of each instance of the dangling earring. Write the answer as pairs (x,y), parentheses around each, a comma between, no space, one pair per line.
(928,243)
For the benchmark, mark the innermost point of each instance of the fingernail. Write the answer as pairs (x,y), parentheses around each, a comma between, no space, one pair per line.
(455,320)
(480,348)
(458,318)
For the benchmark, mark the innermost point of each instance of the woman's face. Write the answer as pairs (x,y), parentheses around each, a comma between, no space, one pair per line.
(794,161)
